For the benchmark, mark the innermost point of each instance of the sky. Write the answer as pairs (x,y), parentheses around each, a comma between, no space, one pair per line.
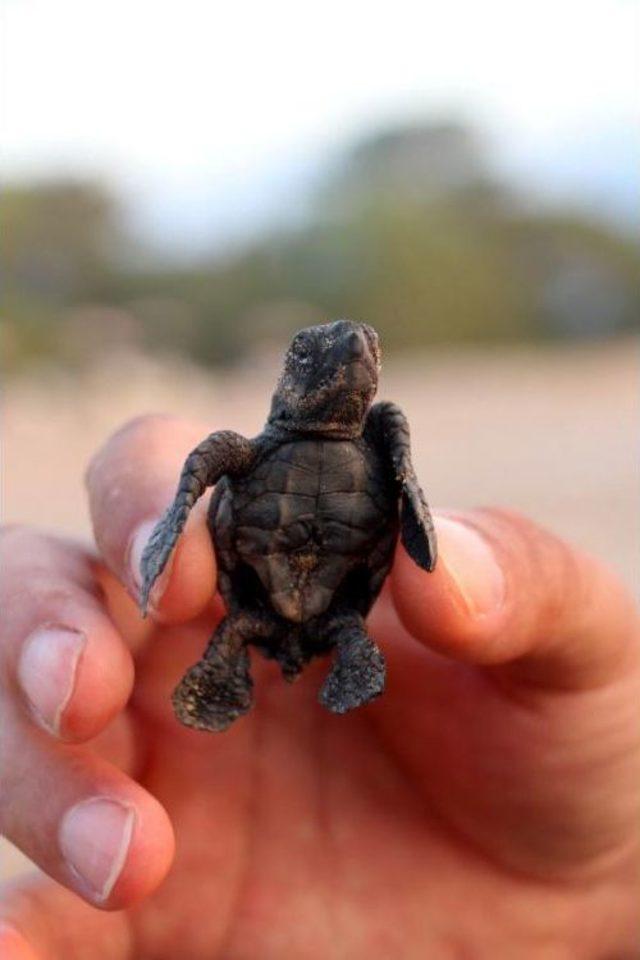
(211,118)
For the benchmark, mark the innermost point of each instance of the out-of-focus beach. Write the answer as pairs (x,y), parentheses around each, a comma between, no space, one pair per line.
(549,431)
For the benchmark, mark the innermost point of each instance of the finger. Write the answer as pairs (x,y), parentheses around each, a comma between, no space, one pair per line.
(79,818)
(131,481)
(40,920)
(507,592)
(61,658)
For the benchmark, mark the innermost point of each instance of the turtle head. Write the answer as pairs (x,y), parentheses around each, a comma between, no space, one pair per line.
(329,379)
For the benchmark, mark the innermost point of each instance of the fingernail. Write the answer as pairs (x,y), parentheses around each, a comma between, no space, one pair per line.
(95,837)
(138,542)
(471,563)
(47,672)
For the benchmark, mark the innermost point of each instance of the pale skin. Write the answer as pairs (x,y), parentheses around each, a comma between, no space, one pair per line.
(486,806)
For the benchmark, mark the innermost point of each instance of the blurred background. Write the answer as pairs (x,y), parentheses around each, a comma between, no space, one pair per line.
(182,179)
(187,183)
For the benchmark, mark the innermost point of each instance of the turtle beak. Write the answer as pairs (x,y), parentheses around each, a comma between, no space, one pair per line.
(356,344)
(363,357)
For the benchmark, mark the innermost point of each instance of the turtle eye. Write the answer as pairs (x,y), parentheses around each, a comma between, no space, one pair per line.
(302,351)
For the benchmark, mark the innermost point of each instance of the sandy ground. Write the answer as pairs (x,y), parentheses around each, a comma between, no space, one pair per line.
(552,432)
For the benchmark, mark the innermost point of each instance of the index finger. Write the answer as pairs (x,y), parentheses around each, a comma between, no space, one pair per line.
(130,481)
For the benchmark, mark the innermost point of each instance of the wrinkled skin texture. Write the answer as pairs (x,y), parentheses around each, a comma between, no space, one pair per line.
(485,807)
(304,523)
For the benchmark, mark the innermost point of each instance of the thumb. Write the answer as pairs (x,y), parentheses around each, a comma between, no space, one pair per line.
(509,593)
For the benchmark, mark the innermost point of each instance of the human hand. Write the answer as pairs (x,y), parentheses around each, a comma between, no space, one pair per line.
(485,806)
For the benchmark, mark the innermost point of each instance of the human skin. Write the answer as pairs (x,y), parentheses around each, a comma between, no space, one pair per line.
(486,806)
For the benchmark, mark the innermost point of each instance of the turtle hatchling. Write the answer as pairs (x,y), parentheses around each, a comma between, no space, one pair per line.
(304,520)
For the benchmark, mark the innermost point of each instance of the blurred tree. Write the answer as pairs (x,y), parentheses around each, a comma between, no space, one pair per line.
(413,232)
(57,238)
(407,166)
(58,249)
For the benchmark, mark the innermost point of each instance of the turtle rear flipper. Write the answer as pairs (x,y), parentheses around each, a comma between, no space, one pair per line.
(359,671)
(214,692)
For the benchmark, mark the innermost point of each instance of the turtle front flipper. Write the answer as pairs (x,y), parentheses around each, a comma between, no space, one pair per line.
(417,532)
(221,453)
(159,548)
(388,429)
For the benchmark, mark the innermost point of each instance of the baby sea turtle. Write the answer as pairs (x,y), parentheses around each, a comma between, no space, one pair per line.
(304,520)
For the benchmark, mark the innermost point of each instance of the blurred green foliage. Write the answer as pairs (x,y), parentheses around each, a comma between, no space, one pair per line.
(412,233)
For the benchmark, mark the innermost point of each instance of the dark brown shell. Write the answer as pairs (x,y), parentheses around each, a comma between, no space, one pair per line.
(304,518)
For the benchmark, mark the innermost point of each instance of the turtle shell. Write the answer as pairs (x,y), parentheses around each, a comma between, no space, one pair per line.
(310,514)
